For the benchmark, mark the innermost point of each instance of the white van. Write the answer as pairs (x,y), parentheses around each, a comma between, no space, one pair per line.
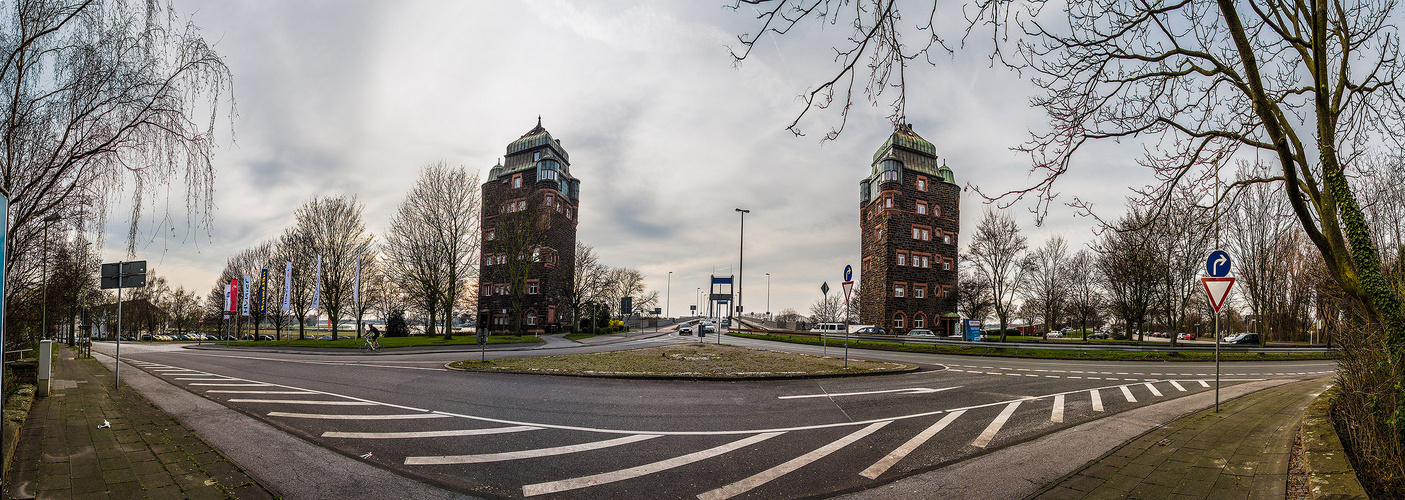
(828,328)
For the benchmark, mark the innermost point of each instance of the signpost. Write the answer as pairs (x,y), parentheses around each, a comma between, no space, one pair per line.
(1217,286)
(121,275)
(848,286)
(824,345)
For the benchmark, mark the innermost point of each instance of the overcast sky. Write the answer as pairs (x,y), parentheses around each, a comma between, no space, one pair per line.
(667,137)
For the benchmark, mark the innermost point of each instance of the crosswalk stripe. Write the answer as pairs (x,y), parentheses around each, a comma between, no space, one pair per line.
(1127,393)
(633,472)
(881,466)
(517,455)
(1203,384)
(1097,400)
(304,402)
(1154,392)
(428,434)
(995,425)
(355,417)
(1177,385)
(768,475)
(1058,412)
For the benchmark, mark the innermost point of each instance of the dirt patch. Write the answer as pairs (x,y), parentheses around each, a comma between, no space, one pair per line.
(687,361)
(1297,471)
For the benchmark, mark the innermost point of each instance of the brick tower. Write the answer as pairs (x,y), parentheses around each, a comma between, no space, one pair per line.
(529,217)
(909,212)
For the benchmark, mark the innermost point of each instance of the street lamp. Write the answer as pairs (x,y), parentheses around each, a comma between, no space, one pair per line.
(741,258)
(768,296)
(668,296)
(697,302)
(44,306)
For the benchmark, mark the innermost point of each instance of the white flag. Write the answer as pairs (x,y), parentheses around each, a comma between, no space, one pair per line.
(317,291)
(228,301)
(287,286)
(247,281)
(356,282)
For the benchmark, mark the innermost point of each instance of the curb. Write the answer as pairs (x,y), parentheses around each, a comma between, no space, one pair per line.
(702,378)
(1010,356)
(16,412)
(446,349)
(1329,472)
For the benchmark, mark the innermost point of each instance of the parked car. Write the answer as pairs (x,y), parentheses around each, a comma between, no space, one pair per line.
(146,337)
(1099,335)
(1056,334)
(685,329)
(1187,336)
(921,332)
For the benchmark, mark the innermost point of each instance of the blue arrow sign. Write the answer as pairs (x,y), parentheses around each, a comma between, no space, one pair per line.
(1217,265)
(848,273)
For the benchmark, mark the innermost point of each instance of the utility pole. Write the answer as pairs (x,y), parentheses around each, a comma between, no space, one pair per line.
(741,258)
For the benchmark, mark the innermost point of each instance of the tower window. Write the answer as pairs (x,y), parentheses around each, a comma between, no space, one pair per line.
(902,258)
(919,320)
(937,210)
(922,183)
(921,208)
(517,181)
(533,287)
(898,321)
(887,202)
(946,238)
(919,291)
(537,156)
(899,290)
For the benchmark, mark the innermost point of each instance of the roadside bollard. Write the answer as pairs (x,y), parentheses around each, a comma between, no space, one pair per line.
(46,356)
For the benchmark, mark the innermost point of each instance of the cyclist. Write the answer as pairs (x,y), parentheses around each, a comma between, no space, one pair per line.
(372,339)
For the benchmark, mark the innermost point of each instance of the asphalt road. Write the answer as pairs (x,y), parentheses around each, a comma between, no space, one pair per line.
(503,435)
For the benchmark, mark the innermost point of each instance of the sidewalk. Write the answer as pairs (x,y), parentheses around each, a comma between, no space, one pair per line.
(144,453)
(1239,453)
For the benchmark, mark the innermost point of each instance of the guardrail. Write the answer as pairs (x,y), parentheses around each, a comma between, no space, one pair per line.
(1056,345)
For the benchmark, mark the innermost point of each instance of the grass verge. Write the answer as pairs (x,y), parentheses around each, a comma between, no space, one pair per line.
(389,342)
(701,360)
(1225,355)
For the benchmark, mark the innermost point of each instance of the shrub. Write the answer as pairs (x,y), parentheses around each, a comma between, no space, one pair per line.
(395,326)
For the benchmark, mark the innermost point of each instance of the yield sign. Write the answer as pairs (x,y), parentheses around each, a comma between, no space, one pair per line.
(848,286)
(1218,289)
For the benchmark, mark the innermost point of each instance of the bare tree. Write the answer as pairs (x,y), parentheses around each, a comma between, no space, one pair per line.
(996,251)
(1085,300)
(433,241)
(297,247)
(589,284)
(1125,271)
(1045,287)
(1179,240)
(100,101)
(334,230)
(973,296)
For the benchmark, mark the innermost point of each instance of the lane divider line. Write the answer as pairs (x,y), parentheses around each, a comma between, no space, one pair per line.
(218,391)
(303,402)
(518,455)
(642,470)
(989,433)
(789,466)
(327,416)
(428,434)
(887,462)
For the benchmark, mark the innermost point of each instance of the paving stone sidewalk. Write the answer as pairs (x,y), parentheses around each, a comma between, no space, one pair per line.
(1239,453)
(63,452)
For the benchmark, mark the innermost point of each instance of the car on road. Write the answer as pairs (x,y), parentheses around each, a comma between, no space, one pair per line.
(685,329)
(920,332)
(870,330)
(1246,339)
(708,327)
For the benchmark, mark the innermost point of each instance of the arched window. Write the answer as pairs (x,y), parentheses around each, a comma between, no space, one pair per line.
(919,320)
(531,317)
(898,321)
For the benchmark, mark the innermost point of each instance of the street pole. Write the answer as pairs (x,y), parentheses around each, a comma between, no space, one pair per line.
(824,342)
(741,258)
(768,296)
(846,333)
(44,306)
(668,296)
(117,367)
(1217,361)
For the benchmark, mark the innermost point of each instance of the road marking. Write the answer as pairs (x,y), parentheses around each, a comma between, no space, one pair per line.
(642,470)
(911,390)
(517,455)
(1203,384)
(768,475)
(425,434)
(1127,393)
(304,402)
(1177,385)
(1097,400)
(258,392)
(234,385)
(881,466)
(1153,390)
(355,417)
(995,425)
(1058,412)
(207,379)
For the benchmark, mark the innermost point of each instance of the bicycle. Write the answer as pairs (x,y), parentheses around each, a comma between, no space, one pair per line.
(369,345)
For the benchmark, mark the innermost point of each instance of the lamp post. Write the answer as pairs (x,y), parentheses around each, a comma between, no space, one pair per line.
(697,302)
(768,296)
(44,306)
(668,296)
(741,257)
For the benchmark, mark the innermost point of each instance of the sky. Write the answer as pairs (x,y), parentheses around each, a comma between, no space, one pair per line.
(666,134)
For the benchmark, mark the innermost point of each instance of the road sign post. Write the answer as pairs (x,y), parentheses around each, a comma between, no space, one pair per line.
(121,275)
(848,286)
(824,345)
(1217,286)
